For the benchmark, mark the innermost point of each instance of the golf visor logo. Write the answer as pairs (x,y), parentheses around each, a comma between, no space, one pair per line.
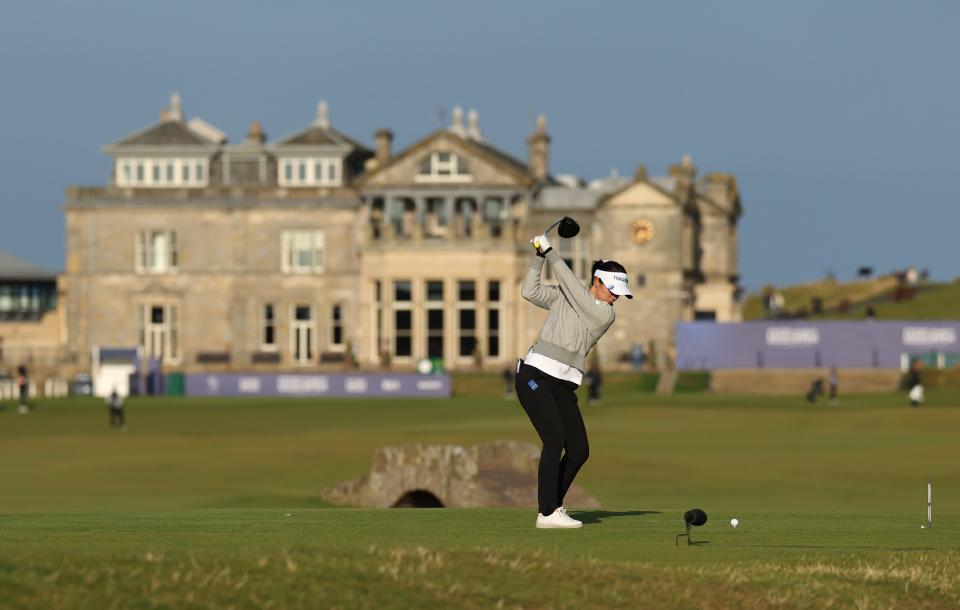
(615,282)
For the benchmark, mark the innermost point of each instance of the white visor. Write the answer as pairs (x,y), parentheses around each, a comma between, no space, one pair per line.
(615,281)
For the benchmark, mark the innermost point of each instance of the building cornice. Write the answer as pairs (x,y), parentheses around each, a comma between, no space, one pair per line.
(79,197)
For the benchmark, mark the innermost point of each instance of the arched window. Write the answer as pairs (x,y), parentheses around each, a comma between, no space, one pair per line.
(443,167)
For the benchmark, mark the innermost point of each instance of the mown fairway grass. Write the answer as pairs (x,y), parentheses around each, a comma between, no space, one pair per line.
(214,504)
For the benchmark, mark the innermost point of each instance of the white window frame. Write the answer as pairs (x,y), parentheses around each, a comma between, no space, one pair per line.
(498,307)
(313,240)
(464,305)
(395,306)
(192,172)
(168,331)
(310,327)
(437,165)
(435,305)
(317,171)
(376,324)
(145,254)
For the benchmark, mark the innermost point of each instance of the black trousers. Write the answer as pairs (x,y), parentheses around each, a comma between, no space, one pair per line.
(116,417)
(551,405)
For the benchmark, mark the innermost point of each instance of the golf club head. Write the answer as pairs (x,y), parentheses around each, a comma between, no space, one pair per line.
(695,517)
(692,518)
(568,227)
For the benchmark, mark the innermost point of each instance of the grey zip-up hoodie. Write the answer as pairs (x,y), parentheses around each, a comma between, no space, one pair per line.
(576,320)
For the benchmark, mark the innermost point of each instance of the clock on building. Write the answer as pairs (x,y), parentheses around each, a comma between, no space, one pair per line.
(642,230)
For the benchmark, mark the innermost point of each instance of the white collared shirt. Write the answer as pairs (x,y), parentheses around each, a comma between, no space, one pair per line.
(553,367)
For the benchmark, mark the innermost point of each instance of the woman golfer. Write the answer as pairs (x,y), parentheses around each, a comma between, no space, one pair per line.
(553,369)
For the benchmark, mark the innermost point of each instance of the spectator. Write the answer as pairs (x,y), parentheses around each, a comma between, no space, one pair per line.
(115,406)
(23,384)
(594,381)
(915,384)
(834,385)
(816,305)
(507,383)
(816,389)
(777,303)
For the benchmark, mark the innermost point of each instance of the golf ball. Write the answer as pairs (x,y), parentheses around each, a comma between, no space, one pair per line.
(734,522)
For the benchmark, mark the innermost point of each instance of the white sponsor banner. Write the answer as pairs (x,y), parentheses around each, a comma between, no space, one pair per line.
(928,336)
(790,336)
(355,385)
(248,385)
(390,385)
(302,384)
(429,384)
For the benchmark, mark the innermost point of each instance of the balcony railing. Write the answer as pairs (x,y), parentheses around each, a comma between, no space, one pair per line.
(429,229)
(85,194)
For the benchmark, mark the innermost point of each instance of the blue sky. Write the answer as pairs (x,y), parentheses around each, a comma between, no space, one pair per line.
(840,119)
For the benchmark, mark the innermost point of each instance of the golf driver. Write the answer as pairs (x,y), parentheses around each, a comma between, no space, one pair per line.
(568,227)
(692,518)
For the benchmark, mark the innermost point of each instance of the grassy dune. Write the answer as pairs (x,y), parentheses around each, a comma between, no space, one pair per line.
(214,503)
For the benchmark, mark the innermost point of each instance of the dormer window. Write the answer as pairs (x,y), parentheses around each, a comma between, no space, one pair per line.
(444,167)
(316,171)
(162,173)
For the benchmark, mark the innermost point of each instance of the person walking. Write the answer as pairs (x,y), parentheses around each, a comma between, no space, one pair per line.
(23,386)
(507,383)
(550,373)
(834,386)
(115,406)
(594,381)
(915,383)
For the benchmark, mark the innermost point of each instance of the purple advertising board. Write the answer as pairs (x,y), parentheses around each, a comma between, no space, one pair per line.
(798,344)
(334,385)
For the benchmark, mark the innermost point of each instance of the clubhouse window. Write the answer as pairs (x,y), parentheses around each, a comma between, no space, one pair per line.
(466,318)
(156,251)
(402,319)
(493,318)
(303,252)
(435,315)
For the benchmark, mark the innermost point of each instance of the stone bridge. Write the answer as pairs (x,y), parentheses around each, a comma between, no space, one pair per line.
(500,473)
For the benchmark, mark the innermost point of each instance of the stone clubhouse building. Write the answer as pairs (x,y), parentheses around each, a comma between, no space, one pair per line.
(316,251)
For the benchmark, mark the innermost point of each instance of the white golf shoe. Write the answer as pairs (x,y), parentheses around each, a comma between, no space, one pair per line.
(558,519)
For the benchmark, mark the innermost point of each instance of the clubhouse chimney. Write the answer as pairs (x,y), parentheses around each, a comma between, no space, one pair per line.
(384,141)
(538,150)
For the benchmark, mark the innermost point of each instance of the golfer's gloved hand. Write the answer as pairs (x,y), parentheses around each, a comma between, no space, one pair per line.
(541,244)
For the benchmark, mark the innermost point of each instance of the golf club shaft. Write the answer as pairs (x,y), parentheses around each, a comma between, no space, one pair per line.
(551,227)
